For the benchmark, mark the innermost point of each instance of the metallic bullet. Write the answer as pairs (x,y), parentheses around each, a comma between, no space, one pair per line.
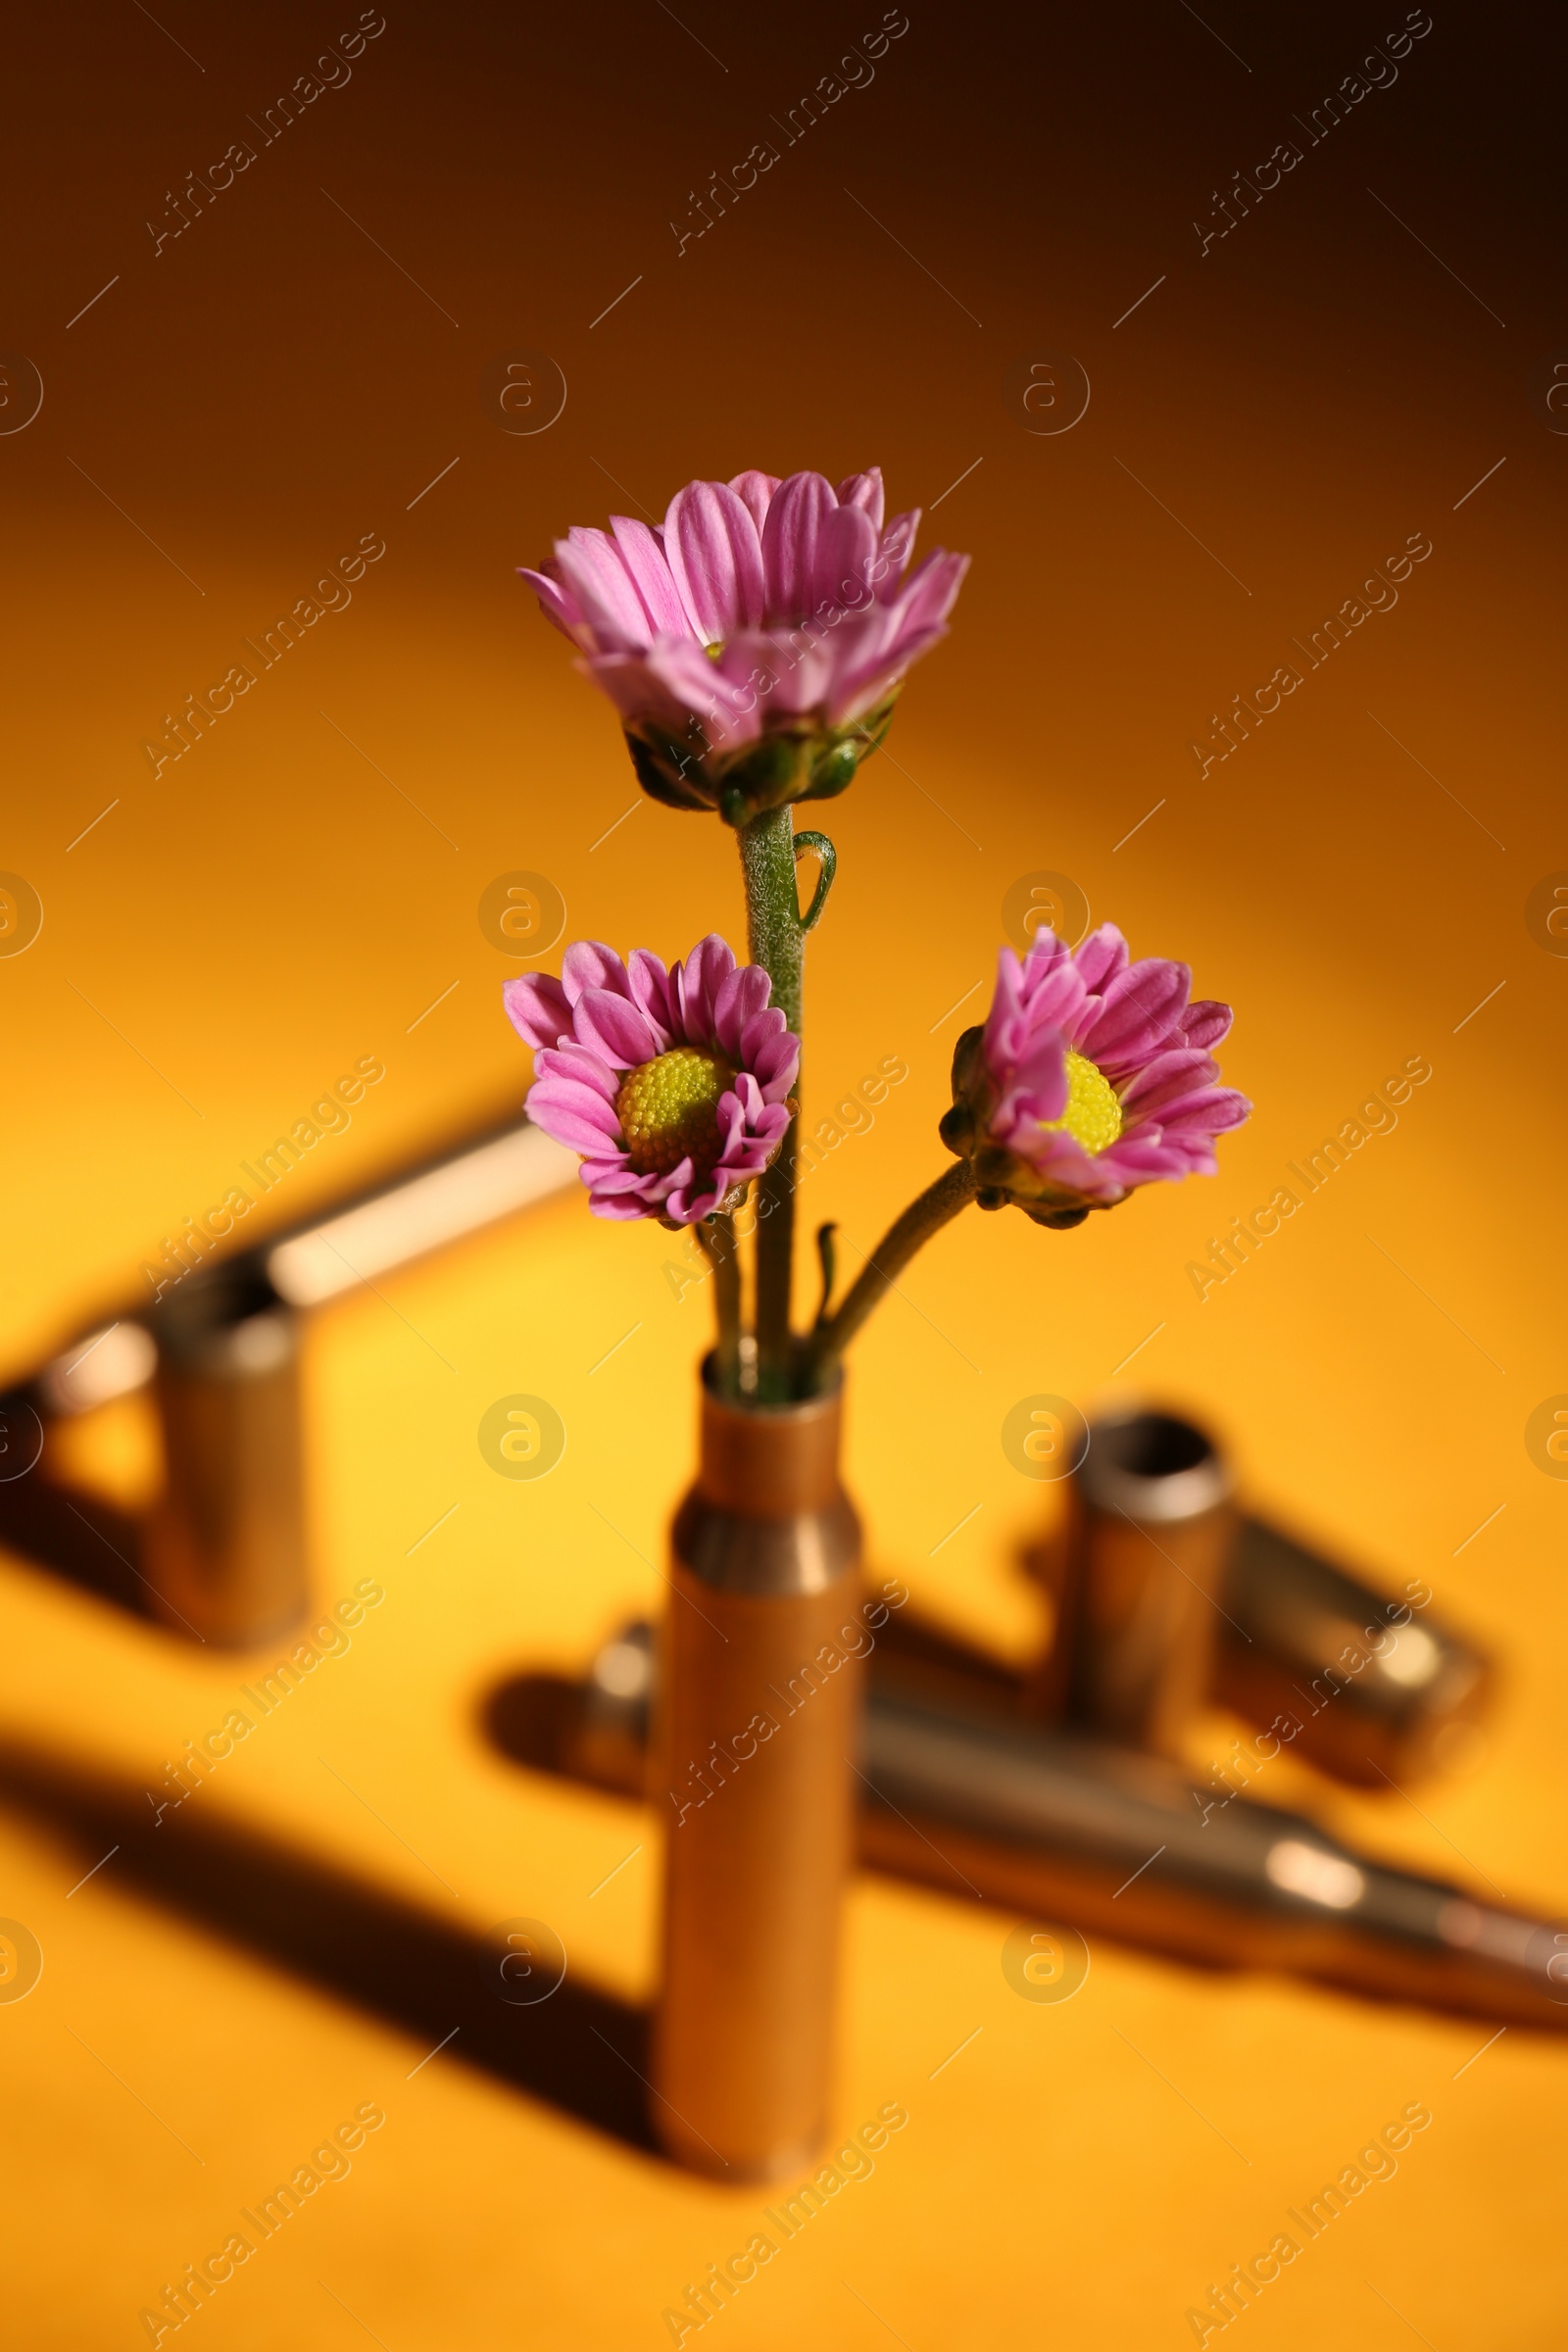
(963,1793)
(1135,1576)
(1366,1685)
(1166,1598)
(1126,1845)
(369,1232)
(218,1354)
(226,1544)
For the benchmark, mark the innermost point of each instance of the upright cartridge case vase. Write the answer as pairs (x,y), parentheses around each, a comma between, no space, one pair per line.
(755,1746)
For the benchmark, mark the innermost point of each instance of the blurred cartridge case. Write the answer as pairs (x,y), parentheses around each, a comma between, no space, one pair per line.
(226,1543)
(1135,1575)
(1366,1685)
(754,1737)
(605,1732)
(415,1212)
(963,1795)
(1377,1688)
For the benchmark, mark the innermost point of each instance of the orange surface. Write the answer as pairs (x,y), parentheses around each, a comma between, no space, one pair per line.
(230,416)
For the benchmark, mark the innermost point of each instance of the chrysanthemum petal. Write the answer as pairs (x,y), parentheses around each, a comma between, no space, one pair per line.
(846,554)
(740,994)
(895,550)
(1206,1021)
(755,492)
(1216,1110)
(768,1048)
(556,602)
(613,1027)
(698,981)
(1061,1161)
(1040,1071)
(643,554)
(653,992)
(729,711)
(572,1062)
(1166,1077)
(617,1175)
(864,490)
(589,963)
(792,539)
(785,673)
(537,1007)
(1147,1159)
(1138,1012)
(715,557)
(1100,957)
(871,652)
(592,565)
(929,593)
(622,1211)
(569,1115)
(1052,992)
(639,690)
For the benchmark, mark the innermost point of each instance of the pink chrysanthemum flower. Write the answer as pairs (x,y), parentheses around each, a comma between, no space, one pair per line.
(673,1084)
(753,644)
(1092,1075)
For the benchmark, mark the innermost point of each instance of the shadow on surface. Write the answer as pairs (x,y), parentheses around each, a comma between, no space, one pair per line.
(79,1536)
(582,2049)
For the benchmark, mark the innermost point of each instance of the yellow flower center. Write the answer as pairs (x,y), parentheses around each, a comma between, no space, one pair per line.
(669,1109)
(1093,1117)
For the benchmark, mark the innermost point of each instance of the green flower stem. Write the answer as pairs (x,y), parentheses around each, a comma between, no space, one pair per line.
(777,942)
(935,1207)
(715,1237)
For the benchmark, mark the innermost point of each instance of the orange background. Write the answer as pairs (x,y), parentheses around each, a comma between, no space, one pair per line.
(1274,419)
